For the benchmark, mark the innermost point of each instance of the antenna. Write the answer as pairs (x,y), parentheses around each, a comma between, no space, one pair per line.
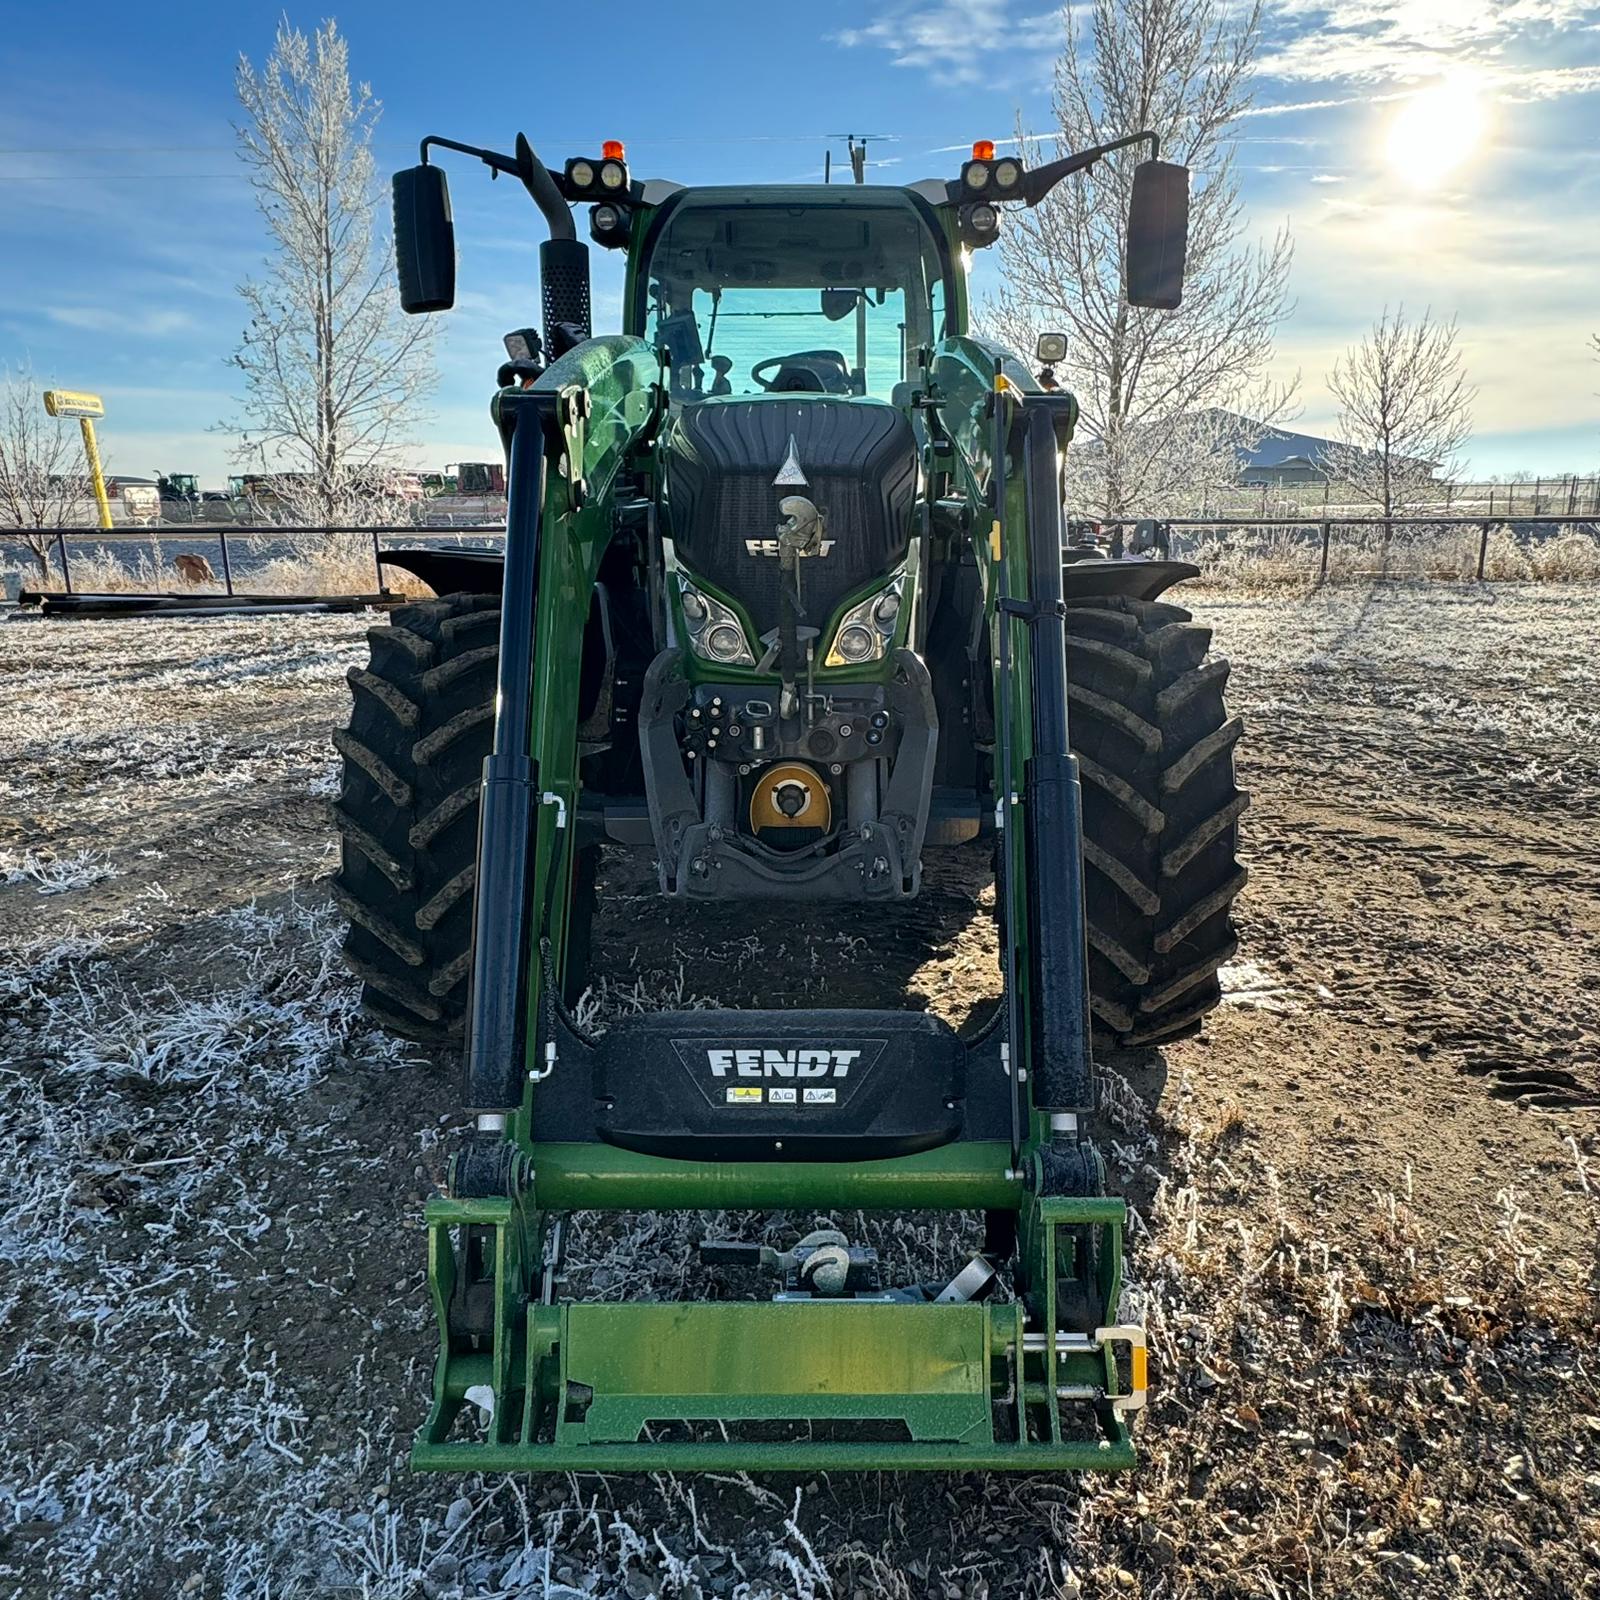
(856,144)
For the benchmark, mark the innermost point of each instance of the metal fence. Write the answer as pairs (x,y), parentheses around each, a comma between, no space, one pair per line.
(1563,495)
(61,539)
(1161,529)
(1170,535)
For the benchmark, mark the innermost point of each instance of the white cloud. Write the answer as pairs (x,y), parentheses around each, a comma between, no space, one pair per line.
(947,38)
(149,324)
(1507,43)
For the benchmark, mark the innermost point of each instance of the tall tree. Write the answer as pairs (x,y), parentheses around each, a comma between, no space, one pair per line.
(1405,411)
(334,373)
(43,485)
(1168,397)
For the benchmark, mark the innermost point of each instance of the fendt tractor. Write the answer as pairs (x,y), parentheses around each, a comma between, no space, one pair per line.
(784,602)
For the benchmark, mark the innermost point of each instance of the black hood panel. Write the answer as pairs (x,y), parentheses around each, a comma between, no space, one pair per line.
(860,465)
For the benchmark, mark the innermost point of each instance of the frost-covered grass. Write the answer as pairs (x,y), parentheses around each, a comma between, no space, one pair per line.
(213,1323)
(49,873)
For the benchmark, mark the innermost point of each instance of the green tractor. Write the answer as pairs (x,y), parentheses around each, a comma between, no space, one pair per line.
(784,603)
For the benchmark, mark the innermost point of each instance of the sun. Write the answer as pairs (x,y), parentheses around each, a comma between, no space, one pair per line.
(1435,131)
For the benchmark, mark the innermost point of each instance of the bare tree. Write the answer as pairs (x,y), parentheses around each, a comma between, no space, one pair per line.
(334,373)
(1169,398)
(43,485)
(1405,411)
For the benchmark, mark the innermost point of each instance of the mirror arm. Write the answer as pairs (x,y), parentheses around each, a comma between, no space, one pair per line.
(1038,182)
(490,158)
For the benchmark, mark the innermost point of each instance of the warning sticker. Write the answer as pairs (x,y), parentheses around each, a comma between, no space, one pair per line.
(821,1097)
(777,1096)
(744,1095)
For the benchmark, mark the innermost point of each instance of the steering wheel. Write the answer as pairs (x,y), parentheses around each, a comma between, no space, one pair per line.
(805,372)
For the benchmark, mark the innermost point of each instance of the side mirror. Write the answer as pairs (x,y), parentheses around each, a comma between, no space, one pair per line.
(1158,235)
(424,240)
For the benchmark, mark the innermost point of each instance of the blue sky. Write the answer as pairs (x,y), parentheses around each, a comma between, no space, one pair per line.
(127,223)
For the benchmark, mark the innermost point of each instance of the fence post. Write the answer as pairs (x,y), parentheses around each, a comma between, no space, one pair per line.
(377,561)
(1327,535)
(1483,549)
(227,570)
(66,572)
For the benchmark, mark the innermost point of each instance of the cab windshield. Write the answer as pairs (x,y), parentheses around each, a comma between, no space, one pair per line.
(832,295)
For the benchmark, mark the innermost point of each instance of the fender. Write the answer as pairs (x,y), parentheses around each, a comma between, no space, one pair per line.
(1137,580)
(452,571)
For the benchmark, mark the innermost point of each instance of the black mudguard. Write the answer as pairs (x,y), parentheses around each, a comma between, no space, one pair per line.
(1138,580)
(452,571)
(482,572)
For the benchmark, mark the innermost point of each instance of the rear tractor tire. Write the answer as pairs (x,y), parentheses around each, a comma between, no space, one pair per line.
(1161,809)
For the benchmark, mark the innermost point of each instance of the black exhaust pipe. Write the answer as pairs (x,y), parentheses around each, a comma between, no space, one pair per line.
(563,260)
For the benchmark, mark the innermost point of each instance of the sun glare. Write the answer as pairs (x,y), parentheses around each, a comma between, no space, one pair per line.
(1435,131)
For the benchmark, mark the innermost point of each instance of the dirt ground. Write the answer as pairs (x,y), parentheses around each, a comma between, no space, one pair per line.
(1367,1198)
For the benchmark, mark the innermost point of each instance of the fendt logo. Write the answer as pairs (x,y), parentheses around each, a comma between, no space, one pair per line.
(769,547)
(804,1061)
(752,1072)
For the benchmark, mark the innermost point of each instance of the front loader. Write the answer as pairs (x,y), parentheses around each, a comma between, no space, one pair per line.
(784,603)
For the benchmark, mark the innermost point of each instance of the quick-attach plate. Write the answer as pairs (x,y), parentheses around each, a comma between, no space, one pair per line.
(838,1362)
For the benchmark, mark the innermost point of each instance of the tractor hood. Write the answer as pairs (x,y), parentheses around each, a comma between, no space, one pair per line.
(729,462)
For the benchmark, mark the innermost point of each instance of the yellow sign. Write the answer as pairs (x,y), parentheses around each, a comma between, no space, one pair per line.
(70,403)
(85,407)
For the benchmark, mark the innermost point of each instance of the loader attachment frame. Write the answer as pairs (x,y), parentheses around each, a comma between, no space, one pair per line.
(764,1386)
(1044,1378)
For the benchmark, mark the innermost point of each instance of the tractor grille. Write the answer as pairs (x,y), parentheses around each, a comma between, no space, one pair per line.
(860,465)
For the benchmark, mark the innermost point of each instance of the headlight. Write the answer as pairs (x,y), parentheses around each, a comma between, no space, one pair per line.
(866,631)
(975,174)
(724,641)
(1007,174)
(582,174)
(714,630)
(612,174)
(856,642)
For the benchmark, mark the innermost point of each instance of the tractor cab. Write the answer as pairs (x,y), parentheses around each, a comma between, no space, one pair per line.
(817,290)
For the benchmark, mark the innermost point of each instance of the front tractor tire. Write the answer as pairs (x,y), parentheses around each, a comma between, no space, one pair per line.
(407,814)
(1161,811)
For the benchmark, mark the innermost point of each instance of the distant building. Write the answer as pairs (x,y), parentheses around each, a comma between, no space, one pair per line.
(1281,457)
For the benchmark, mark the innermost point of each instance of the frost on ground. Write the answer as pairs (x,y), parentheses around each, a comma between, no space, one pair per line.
(1370,1280)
